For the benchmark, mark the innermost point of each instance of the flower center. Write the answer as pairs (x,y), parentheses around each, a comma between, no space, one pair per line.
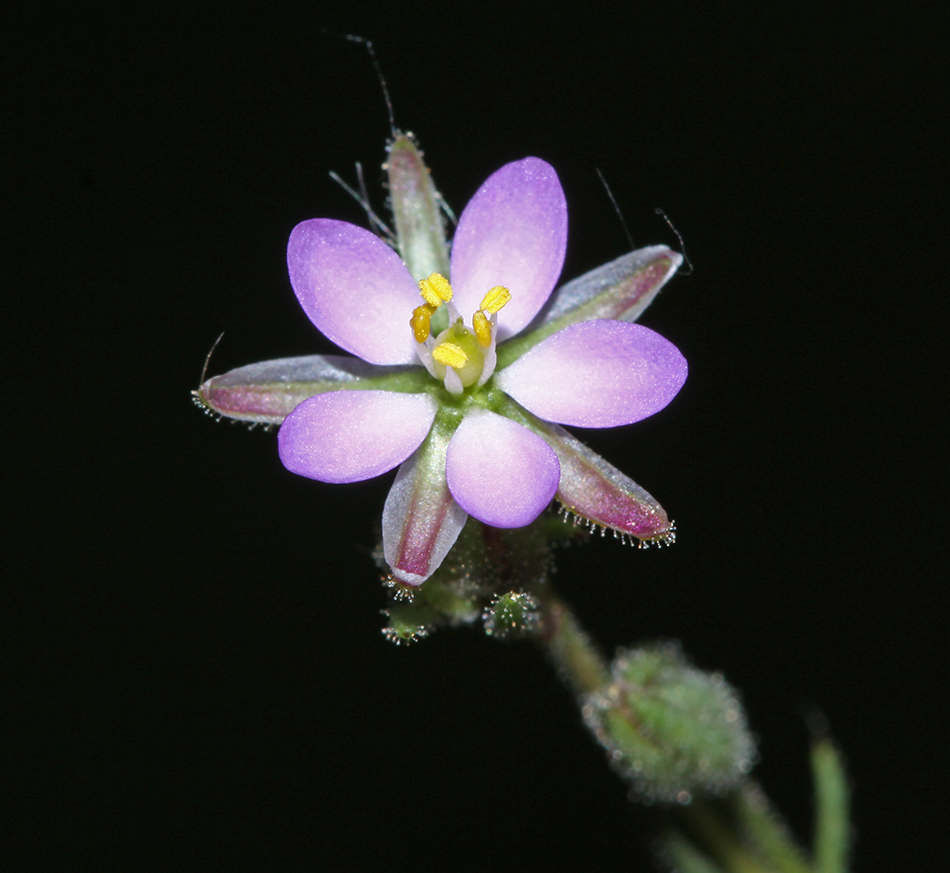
(460,356)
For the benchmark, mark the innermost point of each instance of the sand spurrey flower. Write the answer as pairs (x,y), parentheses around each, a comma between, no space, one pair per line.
(462,381)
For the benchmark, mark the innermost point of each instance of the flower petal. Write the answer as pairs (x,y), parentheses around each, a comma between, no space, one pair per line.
(498,471)
(354,288)
(597,373)
(348,436)
(421,520)
(513,232)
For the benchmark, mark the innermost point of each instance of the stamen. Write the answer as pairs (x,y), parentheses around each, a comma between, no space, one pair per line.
(495,299)
(420,323)
(458,355)
(435,290)
(450,355)
(482,327)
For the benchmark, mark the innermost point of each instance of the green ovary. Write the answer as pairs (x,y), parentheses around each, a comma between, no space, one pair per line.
(463,339)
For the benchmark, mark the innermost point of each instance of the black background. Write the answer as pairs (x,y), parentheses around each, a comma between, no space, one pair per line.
(198,673)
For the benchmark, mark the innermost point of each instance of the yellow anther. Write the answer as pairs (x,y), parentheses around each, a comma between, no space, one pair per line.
(436,290)
(421,318)
(450,355)
(482,327)
(428,293)
(442,286)
(495,299)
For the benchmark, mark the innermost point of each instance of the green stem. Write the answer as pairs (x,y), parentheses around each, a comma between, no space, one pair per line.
(766,830)
(831,808)
(578,661)
(722,839)
(739,834)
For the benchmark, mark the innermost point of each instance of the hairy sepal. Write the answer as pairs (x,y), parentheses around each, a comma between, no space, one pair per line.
(421,519)
(267,392)
(595,492)
(420,229)
(619,290)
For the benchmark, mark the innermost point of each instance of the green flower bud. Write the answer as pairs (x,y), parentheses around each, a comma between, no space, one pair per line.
(483,561)
(410,621)
(512,614)
(416,613)
(668,728)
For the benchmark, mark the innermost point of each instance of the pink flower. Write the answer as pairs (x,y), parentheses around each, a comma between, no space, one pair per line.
(468,411)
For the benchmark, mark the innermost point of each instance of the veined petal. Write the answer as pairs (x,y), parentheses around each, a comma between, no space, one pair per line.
(348,436)
(267,392)
(421,520)
(597,373)
(513,232)
(354,288)
(500,472)
(620,290)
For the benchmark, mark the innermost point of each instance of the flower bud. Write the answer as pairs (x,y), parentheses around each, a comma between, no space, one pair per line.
(410,621)
(415,613)
(483,561)
(669,728)
(511,614)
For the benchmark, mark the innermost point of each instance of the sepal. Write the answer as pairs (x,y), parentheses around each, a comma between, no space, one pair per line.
(269,391)
(420,229)
(619,290)
(594,492)
(421,519)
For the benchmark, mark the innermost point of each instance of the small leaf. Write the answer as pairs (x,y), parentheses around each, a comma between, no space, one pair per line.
(832,801)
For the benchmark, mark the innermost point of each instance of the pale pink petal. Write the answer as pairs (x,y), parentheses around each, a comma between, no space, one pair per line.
(354,289)
(499,472)
(421,520)
(348,436)
(513,232)
(596,374)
